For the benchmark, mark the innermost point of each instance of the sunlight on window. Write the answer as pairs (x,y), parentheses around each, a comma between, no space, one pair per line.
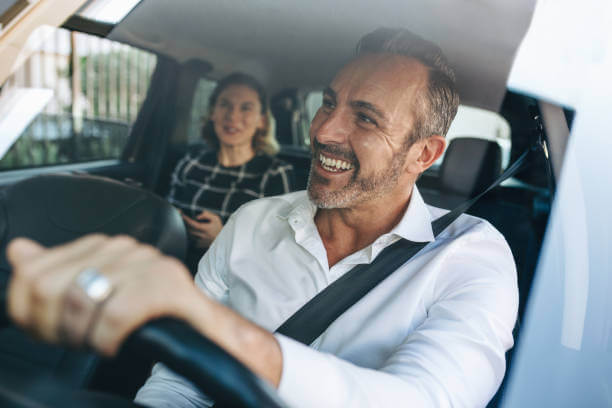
(17,110)
(557,49)
(108,11)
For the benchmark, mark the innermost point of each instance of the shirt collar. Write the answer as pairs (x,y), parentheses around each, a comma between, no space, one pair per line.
(300,212)
(414,226)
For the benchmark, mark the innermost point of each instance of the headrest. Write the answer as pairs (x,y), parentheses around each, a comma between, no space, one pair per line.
(54,209)
(470,165)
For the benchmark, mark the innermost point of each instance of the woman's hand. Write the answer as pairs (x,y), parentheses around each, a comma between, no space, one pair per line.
(204,229)
(49,296)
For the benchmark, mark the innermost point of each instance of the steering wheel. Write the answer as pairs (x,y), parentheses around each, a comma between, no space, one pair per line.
(170,341)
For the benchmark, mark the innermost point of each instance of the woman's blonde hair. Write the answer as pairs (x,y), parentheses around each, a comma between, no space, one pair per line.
(264,140)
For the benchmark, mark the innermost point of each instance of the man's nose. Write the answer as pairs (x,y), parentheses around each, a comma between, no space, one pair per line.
(334,128)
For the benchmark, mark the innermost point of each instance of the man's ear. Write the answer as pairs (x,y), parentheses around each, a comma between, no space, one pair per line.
(432,149)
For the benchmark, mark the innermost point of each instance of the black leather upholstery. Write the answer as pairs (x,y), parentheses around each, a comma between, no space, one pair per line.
(470,165)
(54,209)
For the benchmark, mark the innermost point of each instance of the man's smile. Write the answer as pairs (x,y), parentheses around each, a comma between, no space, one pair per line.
(334,165)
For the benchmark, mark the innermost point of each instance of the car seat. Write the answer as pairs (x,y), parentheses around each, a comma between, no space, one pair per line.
(469,166)
(54,209)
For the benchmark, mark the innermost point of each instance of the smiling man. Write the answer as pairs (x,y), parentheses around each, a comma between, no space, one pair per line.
(433,334)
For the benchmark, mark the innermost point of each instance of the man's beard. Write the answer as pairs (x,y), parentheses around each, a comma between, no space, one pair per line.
(359,189)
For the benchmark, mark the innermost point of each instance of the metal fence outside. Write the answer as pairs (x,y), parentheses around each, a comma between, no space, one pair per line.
(98,88)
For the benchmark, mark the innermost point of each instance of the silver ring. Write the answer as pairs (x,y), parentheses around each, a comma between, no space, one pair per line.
(96,286)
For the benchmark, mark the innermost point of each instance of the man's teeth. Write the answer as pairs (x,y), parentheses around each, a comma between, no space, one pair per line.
(334,164)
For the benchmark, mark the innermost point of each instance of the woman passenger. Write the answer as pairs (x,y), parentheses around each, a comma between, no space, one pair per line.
(236,166)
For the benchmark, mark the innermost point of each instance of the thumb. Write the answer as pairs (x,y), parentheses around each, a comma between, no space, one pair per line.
(20,250)
(204,215)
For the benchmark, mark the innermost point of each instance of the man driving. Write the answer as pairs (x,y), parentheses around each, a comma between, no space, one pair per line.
(433,334)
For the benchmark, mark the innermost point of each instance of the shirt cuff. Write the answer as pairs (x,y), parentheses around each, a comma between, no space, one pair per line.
(305,379)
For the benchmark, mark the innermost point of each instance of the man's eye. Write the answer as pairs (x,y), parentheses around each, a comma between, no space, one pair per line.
(365,118)
(247,108)
(328,104)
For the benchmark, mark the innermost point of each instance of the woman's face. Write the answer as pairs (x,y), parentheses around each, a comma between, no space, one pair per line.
(237,115)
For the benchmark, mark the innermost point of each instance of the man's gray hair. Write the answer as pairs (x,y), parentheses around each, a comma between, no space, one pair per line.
(439,107)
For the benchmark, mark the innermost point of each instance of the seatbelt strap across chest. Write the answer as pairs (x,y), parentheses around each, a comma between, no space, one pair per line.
(312,319)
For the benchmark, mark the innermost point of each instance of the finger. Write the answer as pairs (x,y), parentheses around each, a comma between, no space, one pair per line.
(205,215)
(193,230)
(199,231)
(113,249)
(142,297)
(46,260)
(27,290)
(210,229)
(21,250)
(51,287)
(197,226)
(140,256)
(210,217)
(79,313)
(190,221)
(55,287)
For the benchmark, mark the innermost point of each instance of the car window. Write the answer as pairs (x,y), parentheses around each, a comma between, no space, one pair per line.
(199,109)
(107,11)
(469,122)
(72,99)
(483,124)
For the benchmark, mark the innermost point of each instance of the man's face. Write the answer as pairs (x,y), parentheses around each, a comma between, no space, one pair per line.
(360,135)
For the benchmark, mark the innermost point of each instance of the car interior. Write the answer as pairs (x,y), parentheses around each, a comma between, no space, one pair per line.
(98,164)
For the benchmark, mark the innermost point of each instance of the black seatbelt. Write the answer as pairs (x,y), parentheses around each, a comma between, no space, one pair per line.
(322,310)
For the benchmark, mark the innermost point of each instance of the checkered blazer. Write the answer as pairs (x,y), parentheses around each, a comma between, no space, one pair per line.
(200,183)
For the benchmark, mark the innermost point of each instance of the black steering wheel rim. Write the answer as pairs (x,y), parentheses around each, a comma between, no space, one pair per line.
(181,348)
(214,371)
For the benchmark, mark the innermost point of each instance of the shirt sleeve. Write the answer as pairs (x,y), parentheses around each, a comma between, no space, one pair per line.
(212,268)
(164,388)
(455,358)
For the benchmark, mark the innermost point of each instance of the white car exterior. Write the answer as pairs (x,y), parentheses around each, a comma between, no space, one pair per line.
(564,353)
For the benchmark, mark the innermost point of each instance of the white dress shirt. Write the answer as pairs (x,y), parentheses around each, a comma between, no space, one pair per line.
(433,334)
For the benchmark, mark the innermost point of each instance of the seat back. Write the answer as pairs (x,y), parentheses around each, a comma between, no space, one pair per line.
(54,209)
(469,166)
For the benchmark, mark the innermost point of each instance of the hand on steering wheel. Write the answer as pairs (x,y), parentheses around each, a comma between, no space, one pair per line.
(48,296)
(97,290)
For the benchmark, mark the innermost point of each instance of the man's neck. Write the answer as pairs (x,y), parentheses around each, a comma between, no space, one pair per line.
(347,230)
